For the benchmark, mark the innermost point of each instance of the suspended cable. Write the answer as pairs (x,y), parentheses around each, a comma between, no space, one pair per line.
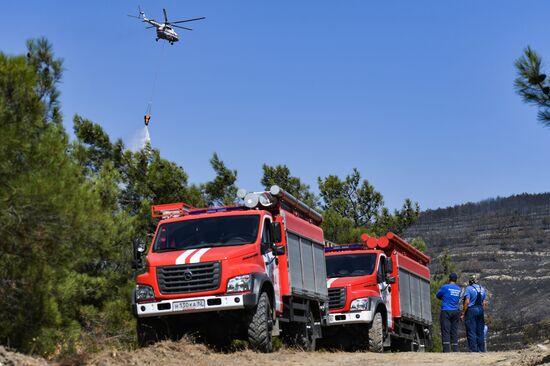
(148,110)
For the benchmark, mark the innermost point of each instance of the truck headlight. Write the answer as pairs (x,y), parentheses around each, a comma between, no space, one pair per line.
(360,304)
(144,293)
(240,284)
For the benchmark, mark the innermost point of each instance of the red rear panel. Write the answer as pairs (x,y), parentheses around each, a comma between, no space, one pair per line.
(303,228)
(302,269)
(411,291)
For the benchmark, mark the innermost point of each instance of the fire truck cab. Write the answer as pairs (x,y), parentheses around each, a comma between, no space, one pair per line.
(379,295)
(240,272)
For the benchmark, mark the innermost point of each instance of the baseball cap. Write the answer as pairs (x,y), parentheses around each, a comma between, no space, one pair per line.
(453,277)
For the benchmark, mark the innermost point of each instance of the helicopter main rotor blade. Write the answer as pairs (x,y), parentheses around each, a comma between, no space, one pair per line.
(187,20)
(165,16)
(151,26)
(179,26)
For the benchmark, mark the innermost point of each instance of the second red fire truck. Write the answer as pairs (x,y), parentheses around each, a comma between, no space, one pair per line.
(379,295)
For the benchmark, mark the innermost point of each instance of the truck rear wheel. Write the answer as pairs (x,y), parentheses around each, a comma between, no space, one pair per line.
(260,326)
(300,334)
(306,339)
(376,334)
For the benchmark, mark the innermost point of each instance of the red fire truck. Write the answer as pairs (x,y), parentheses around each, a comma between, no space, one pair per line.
(239,272)
(379,295)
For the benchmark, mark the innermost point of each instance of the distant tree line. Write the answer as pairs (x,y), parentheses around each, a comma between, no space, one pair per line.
(71,209)
(515,203)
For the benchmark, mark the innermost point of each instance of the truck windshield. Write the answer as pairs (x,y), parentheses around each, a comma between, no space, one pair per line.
(207,232)
(350,265)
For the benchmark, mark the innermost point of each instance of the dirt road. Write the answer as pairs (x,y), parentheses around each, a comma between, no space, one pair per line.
(187,353)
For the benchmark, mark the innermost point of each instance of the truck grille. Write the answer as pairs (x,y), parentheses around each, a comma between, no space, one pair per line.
(336,298)
(185,278)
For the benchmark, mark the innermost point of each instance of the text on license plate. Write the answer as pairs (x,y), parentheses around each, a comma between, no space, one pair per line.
(188,305)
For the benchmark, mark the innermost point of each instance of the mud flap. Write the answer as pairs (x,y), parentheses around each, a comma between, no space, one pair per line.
(276,331)
(387,340)
(317,330)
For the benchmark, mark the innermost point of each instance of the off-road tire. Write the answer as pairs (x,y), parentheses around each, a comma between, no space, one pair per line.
(300,335)
(307,340)
(260,326)
(376,334)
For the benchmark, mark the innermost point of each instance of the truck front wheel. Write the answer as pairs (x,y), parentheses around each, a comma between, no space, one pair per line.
(376,334)
(260,326)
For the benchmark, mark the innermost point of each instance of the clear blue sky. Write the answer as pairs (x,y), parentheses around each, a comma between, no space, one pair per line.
(416,94)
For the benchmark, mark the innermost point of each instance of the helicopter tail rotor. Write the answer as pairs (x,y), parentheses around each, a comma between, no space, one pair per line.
(140,15)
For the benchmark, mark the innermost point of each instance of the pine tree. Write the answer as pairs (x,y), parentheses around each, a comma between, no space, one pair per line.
(54,228)
(351,197)
(65,251)
(222,190)
(532,85)
(280,175)
(357,200)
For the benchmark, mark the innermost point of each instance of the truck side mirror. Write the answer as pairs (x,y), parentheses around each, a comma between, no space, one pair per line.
(278,250)
(277,232)
(389,265)
(139,251)
(390,280)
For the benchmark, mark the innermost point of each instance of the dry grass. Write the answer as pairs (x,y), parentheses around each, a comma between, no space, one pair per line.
(187,352)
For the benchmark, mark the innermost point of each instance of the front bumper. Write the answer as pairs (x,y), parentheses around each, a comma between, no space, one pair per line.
(211,303)
(356,317)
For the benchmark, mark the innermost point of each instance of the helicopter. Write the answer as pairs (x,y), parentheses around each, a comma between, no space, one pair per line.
(164,30)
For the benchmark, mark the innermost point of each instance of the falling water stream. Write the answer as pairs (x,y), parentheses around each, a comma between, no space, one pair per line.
(140,139)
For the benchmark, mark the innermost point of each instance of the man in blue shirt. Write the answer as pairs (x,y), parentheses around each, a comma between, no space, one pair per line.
(474,319)
(449,294)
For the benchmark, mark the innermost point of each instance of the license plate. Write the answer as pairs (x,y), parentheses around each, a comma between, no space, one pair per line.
(188,305)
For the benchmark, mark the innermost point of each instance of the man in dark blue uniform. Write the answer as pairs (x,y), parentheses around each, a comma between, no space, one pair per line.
(449,294)
(474,318)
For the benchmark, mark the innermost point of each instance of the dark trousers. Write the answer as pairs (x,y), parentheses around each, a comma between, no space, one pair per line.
(475,328)
(449,329)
